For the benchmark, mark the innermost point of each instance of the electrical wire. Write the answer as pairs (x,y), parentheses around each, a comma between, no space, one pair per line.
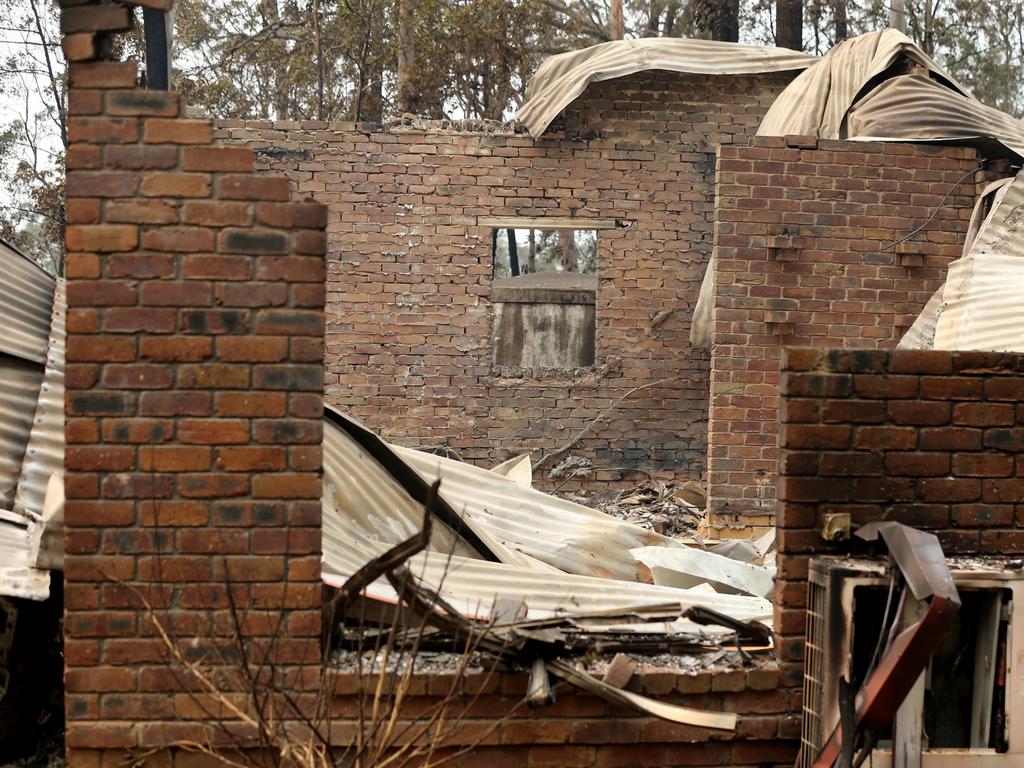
(938,208)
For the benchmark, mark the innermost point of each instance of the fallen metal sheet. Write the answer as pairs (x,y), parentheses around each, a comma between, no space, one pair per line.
(817,101)
(366,510)
(518,469)
(982,307)
(518,524)
(568,536)
(47,536)
(917,108)
(381,506)
(691,567)
(26,294)
(723,721)
(532,650)
(921,335)
(473,585)
(562,78)
(19,390)
(44,453)
(18,577)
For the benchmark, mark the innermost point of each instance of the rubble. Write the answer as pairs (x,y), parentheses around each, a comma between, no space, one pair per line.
(652,505)
(483,558)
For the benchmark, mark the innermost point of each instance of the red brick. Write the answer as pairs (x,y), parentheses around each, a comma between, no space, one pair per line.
(224,159)
(104,18)
(982,465)
(213,432)
(178,239)
(252,187)
(307,215)
(79,46)
(102,130)
(175,349)
(102,74)
(99,184)
(136,157)
(180,131)
(250,404)
(142,211)
(173,184)
(216,213)
(213,267)
(101,237)
(141,102)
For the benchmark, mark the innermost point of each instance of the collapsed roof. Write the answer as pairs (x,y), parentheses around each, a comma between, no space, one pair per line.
(562,78)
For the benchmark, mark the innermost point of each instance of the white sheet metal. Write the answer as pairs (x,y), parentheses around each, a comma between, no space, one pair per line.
(917,108)
(692,567)
(44,454)
(562,78)
(982,295)
(17,576)
(921,335)
(26,295)
(816,102)
(366,512)
(570,537)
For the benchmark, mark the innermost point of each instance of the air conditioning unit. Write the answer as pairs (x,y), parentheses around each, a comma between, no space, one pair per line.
(968,708)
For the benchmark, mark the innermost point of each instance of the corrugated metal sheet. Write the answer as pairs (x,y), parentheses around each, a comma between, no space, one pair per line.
(816,102)
(983,309)
(921,335)
(567,536)
(26,293)
(19,389)
(562,78)
(44,454)
(366,511)
(916,108)
(26,304)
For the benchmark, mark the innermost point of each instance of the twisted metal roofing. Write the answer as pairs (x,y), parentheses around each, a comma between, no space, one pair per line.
(562,78)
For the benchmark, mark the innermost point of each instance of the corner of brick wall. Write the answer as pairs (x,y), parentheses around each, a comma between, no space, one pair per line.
(928,438)
(804,239)
(194,411)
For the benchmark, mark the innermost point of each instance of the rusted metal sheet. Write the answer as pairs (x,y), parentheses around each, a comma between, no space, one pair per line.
(26,293)
(562,78)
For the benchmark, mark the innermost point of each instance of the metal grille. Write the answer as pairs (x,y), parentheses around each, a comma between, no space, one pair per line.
(814,671)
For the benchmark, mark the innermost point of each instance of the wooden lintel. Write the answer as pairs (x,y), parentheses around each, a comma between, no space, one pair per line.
(546,222)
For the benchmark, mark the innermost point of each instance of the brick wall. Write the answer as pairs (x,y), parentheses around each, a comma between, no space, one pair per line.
(409,322)
(194,349)
(583,731)
(931,439)
(803,260)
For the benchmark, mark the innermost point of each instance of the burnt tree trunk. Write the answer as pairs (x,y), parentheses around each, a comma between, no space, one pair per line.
(567,244)
(839,15)
(789,24)
(405,96)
